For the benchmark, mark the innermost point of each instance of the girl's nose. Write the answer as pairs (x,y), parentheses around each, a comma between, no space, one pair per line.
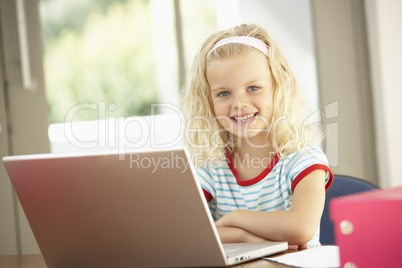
(240,102)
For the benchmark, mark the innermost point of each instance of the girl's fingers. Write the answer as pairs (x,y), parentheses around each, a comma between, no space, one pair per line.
(297,246)
(293,246)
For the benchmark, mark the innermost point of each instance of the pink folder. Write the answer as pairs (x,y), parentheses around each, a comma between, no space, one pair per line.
(368,228)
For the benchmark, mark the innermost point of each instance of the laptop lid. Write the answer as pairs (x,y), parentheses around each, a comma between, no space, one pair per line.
(139,209)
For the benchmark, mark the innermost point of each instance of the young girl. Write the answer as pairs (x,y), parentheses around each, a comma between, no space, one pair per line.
(256,155)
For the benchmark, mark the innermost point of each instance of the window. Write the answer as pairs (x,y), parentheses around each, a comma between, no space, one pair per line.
(115,59)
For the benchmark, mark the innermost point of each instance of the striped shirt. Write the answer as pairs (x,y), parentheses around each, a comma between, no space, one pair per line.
(270,191)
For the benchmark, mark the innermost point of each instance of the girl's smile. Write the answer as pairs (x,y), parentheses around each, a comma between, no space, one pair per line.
(243,119)
(242,94)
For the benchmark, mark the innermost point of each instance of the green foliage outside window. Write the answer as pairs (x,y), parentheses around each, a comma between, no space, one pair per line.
(102,51)
(97,51)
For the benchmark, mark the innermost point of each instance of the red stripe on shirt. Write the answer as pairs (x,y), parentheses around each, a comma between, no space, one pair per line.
(207,195)
(255,180)
(310,169)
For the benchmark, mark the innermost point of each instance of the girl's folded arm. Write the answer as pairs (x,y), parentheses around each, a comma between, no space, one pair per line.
(296,226)
(237,235)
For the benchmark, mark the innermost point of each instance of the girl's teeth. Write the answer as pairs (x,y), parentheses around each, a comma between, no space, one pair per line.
(243,119)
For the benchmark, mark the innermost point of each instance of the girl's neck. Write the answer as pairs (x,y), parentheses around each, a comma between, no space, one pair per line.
(245,150)
(253,147)
(250,159)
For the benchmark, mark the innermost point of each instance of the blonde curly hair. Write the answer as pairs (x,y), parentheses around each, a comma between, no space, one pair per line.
(205,137)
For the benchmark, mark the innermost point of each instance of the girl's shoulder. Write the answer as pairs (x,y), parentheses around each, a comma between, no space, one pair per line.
(213,169)
(209,175)
(304,158)
(298,164)
(312,153)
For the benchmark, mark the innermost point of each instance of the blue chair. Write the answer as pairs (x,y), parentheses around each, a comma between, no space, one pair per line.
(341,186)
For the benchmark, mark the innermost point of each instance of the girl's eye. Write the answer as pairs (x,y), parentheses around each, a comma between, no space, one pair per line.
(223,94)
(253,88)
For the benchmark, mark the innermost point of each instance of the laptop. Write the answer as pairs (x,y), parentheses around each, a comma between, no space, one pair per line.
(109,209)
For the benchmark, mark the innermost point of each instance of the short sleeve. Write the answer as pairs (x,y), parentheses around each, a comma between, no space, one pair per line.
(304,162)
(207,182)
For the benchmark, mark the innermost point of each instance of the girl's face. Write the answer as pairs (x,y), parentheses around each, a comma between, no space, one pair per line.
(242,95)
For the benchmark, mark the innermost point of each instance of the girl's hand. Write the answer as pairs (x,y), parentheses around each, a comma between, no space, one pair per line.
(224,224)
(237,235)
(297,246)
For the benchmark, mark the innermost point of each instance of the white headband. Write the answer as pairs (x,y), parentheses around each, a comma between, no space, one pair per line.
(246,40)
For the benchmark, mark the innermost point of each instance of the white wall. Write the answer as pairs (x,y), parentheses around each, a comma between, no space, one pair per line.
(384,22)
(23,118)
(290,23)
